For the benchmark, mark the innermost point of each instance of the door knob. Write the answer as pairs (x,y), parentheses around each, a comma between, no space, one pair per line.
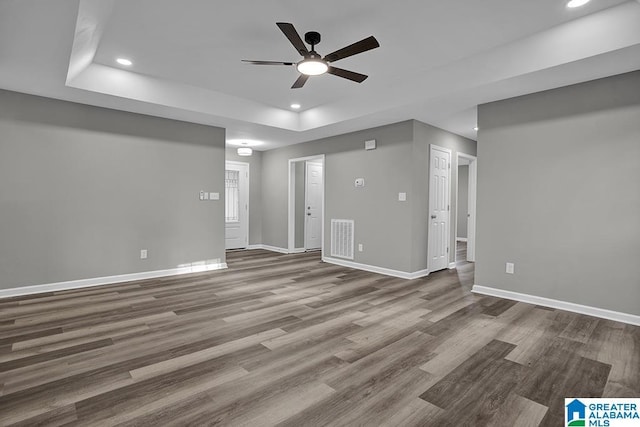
(308,213)
(433,217)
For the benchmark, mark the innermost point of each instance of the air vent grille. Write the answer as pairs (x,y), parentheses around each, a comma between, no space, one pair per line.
(342,238)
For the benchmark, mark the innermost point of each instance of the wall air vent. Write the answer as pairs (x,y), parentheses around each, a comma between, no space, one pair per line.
(342,238)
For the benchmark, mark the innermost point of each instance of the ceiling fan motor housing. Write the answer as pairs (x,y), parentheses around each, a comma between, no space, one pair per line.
(312,38)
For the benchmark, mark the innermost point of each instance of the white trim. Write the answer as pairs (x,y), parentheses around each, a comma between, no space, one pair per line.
(375,269)
(108,280)
(291,204)
(298,250)
(452,265)
(631,319)
(472,195)
(248,189)
(461,239)
(269,248)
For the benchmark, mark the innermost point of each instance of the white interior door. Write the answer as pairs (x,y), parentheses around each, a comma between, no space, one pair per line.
(439,207)
(236,185)
(313,206)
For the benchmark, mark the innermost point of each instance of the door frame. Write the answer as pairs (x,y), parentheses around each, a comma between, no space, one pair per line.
(471,203)
(448,231)
(248,185)
(291,216)
(306,200)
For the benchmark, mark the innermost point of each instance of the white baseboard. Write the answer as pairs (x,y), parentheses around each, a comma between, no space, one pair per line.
(269,248)
(299,251)
(452,265)
(562,305)
(108,280)
(461,239)
(375,269)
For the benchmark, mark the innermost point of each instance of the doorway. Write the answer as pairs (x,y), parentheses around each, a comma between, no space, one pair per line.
(439,207)
(306,204)
(466,207)
(236,205)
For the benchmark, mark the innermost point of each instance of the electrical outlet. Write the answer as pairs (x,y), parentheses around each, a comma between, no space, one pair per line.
(143,254)
(510,267)
(360,247)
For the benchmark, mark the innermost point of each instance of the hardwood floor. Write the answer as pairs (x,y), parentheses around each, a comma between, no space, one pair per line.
(286,339)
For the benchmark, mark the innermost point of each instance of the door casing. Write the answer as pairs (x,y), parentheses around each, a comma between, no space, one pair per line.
(243,192)
(471,203)
(291,201)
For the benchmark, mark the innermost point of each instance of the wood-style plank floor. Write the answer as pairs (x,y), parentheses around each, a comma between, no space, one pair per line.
(289,340)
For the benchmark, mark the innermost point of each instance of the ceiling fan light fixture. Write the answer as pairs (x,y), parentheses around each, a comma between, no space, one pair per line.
(312,67)
(244,151)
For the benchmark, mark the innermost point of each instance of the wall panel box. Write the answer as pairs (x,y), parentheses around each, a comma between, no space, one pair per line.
(370,145)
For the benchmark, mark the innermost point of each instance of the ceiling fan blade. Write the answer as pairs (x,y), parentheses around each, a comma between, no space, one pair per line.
(346,74)
(300,82)
(293,36)
(353,49)
(268,62)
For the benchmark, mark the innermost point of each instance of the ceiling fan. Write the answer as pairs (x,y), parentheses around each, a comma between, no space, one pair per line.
(312,63)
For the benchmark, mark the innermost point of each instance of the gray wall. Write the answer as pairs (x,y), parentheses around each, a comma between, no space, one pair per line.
(374,208)
(559,194)
(463,200)
(83,189)
(255,191)
(394,234)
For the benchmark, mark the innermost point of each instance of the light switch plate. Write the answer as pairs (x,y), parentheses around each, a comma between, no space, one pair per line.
(402,197)
(370,145)
(510,268)
(143,254)
(214,196)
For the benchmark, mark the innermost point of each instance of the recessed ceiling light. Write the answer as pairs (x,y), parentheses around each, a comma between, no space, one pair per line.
(476,128)
(577,3)
(295,106)
(244,142)
(244,151)
(124,61)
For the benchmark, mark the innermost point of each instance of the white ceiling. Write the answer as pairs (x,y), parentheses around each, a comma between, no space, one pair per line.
(437,61)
